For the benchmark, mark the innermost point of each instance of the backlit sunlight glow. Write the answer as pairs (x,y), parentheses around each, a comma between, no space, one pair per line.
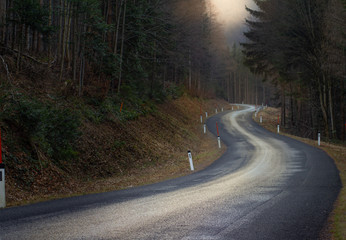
(232,14)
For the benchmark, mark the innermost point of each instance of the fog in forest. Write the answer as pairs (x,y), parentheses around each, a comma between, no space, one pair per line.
(231,14)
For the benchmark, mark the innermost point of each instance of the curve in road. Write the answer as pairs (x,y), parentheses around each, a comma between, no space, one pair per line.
(266,186)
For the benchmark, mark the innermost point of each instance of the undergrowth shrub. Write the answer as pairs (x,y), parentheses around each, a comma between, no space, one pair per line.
(109,108)
(135,103)
(48,127)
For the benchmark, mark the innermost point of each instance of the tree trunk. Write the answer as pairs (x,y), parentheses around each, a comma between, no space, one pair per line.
(228,83)
(116,36)
(283,106)
(235,87)
(122,47)
(20,49)
(81,74)
(3,10)
(82,60)
(331,108)
(50,23)
(190,71)
(292,123)
(65,34)
(342,111)
(239,85)
(38,35)
(322,94)
(256,100)
(61,29)
(67,40)
(76,46)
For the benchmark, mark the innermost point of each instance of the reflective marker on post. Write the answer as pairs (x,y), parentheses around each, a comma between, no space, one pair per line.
(319,139)
(218,136)
(190,160)
(200,113)
(121,107)
(217,129)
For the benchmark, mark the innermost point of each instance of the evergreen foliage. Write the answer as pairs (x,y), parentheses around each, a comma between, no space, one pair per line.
(51,129)
(291,43)
(100,46)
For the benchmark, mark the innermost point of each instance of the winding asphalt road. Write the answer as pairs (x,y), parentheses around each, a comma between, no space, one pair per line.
(266,186)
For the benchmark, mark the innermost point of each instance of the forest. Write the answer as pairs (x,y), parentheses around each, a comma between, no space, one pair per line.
(83,82)
(152,50)
(109,89)
(299,45)
(101,48)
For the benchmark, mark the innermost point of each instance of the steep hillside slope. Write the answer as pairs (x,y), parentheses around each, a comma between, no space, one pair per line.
(106,152)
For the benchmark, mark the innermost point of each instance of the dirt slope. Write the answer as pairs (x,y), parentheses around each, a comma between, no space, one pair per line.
(118,154)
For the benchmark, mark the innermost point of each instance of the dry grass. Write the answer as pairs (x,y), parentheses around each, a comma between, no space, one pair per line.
(158,147)
(336,228)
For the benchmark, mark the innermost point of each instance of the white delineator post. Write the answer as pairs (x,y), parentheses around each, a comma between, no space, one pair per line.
(201,118)
(205,128)
(2,179)
(261,119)
(278,128)
(206,114)
(221,109)
(218,136)
(232,108)
(319,139)
(216,110)
(2,186)
(190,160)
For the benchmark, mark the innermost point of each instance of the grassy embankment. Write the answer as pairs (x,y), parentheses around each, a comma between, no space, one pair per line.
(106,150)
(336,228)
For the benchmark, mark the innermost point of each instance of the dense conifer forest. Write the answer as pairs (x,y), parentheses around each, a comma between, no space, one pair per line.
(102,47)
(299,45)
(66,62)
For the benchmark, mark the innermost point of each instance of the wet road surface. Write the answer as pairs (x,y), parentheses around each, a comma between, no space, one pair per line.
(266,186)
